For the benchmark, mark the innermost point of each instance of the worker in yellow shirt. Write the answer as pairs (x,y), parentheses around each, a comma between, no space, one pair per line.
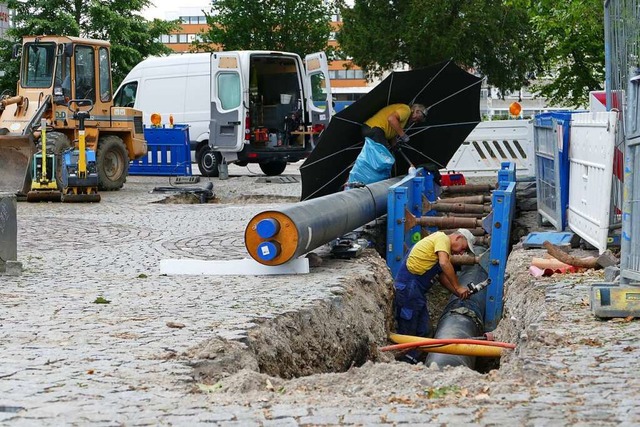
(429,259)
(387,126)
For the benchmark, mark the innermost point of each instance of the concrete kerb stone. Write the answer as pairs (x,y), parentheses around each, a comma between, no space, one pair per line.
(13,268)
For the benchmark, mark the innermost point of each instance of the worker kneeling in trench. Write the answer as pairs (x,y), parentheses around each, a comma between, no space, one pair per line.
(428,260)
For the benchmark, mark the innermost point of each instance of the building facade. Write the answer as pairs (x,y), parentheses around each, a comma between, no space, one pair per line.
(348,81)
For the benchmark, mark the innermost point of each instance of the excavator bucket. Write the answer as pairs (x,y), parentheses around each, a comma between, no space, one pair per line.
(15,163)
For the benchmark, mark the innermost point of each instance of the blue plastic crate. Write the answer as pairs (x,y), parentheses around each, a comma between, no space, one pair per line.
(168,153)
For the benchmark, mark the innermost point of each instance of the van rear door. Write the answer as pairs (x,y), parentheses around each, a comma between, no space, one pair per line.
(226,125)
(318,88)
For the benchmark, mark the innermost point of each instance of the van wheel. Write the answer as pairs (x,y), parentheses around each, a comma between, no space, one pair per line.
(112,163)
(208,161)
(273,168)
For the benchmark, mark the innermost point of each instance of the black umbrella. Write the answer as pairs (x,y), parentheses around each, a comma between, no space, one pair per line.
(452,97)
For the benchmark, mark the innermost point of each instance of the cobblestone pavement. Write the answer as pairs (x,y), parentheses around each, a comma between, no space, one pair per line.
(69,361)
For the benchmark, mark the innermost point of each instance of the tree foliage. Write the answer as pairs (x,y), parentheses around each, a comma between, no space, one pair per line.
(509,41)
(574,48)
(300,26)
(485,35)
(132,37)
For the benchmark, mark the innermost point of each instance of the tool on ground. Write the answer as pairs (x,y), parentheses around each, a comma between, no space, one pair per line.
(474,288)
(80,171)
(44,187)
(348,246)
(203,194)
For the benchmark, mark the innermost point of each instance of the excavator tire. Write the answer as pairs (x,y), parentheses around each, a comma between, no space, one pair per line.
(112,163)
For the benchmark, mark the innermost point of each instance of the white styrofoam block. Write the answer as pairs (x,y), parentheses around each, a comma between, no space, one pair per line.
(236,267)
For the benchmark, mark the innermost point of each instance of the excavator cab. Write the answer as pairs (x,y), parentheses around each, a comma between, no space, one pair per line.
(53,71)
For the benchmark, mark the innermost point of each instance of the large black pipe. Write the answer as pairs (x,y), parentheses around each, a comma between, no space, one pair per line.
(275,237)
(461,319)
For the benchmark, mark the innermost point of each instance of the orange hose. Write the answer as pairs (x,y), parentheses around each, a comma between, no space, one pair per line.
(444,341)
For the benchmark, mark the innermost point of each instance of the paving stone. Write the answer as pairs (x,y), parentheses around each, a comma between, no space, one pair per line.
(52,333)
(282,411)
(284,422)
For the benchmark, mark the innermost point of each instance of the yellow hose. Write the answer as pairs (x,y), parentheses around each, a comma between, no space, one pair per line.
(459,349)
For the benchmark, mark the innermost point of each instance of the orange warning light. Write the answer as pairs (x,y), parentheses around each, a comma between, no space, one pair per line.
(156,119)
(515,108)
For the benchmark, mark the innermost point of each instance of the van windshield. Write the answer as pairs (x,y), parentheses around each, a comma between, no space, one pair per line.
(126,96)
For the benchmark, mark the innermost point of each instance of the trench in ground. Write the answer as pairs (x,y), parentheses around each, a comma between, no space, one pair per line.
(347,329)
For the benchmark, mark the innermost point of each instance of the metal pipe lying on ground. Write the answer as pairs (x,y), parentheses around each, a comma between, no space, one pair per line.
(474,231)
(465,215)
(468,188)
(467,199)
(275,237)
(443,222)
(441,206)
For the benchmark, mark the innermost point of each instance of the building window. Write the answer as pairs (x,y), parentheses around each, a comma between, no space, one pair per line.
(182,38)
(346,74)
(164,38)
(173,38)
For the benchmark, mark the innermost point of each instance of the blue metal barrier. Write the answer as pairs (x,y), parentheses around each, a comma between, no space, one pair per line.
(407,196)
(503,203)
(507,172)
(168,153)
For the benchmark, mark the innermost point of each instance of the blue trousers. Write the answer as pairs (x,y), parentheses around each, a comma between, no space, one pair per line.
(411,312)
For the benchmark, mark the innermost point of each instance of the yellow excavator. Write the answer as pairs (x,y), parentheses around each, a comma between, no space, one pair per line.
(53,71)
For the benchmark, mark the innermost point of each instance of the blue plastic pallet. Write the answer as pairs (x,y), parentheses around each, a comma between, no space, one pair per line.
(536,239)
(168,153)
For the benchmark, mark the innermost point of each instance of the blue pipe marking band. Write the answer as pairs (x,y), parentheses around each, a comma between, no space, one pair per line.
(267,251)
(267,228)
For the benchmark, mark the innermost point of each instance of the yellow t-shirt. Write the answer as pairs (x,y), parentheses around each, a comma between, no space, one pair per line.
(424,254)
(380,119)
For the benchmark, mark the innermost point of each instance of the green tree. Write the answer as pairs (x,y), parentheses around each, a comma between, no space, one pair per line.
(132,37)
(489,36)
(573,31)
(300,26)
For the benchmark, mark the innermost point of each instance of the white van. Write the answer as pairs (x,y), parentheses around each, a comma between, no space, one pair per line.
(175,85)
(260,107)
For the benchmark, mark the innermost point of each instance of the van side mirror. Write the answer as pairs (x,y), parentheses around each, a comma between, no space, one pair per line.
(68,50)
(17,51)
